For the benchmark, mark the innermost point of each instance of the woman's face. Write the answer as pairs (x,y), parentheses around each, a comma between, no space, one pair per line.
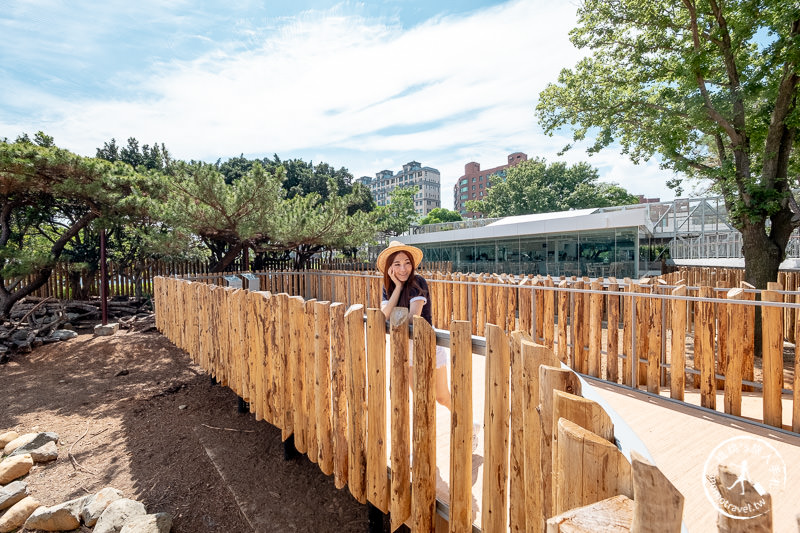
(402,266)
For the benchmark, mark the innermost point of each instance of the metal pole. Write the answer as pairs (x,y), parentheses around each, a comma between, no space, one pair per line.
(103,278)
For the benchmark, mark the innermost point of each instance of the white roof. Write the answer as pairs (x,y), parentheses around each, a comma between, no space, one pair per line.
(539,224)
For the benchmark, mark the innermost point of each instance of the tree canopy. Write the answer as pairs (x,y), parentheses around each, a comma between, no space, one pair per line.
(533,186)
(397,217)
(709,87)
(438,215)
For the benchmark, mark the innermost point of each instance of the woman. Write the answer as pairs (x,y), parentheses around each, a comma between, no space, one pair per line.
(403,287)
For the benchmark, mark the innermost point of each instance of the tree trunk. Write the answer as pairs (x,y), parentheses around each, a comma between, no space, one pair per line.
(762,255)
(229,257)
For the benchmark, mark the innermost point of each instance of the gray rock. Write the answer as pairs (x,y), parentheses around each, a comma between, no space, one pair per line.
(12,493)
(38,441)
(46,453)
(117,513)
(149,523)
(63,334)
(62,517)
(96,504)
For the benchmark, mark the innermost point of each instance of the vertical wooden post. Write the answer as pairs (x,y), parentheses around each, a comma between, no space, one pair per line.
(548,317)
(748,353)
(733,378)
(627,333)
(461,427)
(563,324)
(579,355)
(677,373)
(423,490)
(377,483)
(297,362)
(289,315)
(772,354)
(657,504)
(595,329)
(339,392)
(654,344)
(400,505)
(704,349)
(356,402)
(534,356)
(525,303)
(517,485)
(322,392)
(612,328)
(481,315)
(309,359)
(496,424)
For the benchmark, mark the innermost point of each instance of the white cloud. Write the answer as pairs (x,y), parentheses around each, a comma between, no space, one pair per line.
(328,81)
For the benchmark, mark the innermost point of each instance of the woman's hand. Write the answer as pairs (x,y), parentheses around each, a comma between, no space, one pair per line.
(397,283)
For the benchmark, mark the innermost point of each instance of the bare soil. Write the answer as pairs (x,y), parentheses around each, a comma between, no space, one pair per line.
(136,414)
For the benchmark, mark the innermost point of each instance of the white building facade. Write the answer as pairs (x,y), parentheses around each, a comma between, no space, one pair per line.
(413,174)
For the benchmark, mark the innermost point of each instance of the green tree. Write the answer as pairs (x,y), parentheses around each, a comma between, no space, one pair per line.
(49,195)
(711,87)
(533,186)
(397,217)
(438,215)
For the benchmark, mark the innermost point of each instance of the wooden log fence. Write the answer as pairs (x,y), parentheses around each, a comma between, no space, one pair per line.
(284,355)
(706,331)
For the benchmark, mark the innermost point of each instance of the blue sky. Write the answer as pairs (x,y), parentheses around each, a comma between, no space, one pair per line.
(364,85)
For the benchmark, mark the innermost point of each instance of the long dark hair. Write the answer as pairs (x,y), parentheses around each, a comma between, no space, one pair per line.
(388,284)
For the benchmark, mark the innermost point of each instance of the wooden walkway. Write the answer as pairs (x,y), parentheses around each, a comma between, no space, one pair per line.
(679,438)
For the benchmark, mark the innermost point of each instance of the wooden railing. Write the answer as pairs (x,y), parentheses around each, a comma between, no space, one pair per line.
(319,372)
(707,332)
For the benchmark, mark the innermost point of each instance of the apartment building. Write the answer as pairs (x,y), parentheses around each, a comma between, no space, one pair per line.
(413,174)
(474,184)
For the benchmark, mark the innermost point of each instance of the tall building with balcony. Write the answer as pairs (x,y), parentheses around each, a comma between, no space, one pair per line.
(413,174)
(474,184)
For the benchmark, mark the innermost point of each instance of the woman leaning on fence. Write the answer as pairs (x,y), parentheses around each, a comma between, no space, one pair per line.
(403,287)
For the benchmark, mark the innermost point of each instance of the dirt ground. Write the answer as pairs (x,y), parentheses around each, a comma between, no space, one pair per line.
(137,415)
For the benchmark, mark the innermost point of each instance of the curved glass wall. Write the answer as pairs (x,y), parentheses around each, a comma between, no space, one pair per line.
(599,253)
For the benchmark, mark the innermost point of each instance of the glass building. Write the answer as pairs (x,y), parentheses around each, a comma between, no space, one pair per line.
(587,242)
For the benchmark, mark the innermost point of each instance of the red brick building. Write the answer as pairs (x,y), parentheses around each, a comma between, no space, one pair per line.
(474,184)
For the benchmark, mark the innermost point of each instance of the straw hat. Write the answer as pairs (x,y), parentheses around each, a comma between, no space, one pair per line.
(396,246)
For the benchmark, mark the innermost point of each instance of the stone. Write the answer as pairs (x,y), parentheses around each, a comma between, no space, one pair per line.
(149,523)
(12,493)
(39,440)
(46,453)
(63,334)
(62,517)
(19,441)
(7,437)
(12,468)
(97,503)
(117,513)
(108,329)
(16,516)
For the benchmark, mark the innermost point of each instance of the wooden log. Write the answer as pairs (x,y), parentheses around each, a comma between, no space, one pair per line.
(654,344)
(538,322)
(704,349)
(735,314)
(563,324)
(595,329)
(796,380)
(423,489)
(580,357)
(612,329)
(642,329)
(627,334)
(517,485)
(297,368)
(612,515)
(772,355)
(460,427)
(322,391)
(588,415)
(464,298)
(377,482)
(356,402)
(759,520)
(338,392)
(400,505)
(550,379)
(481,315)
(590,468)
(308,358)
(677,374)
(496,425)
(548,316)
(525,302)
(723,333)
(748,352)
(290,315)
(534,356)
(657,504)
